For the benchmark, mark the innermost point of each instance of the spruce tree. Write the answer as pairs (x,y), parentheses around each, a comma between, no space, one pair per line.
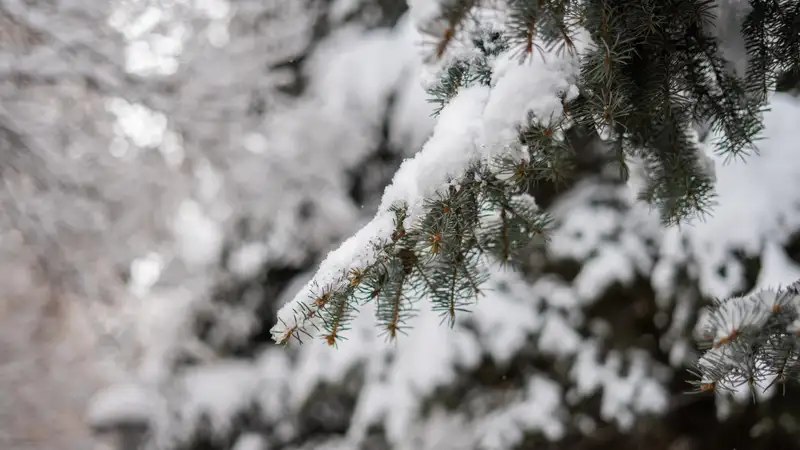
(645,77)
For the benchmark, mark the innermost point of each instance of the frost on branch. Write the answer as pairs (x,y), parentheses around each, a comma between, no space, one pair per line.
(751,341)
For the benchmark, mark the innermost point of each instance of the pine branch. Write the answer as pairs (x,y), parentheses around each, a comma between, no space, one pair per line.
(463,73)
(440,258)
(751,341)
(444,29)
(772,39)
(649,73)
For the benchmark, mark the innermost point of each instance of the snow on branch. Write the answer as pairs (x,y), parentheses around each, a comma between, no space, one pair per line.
(751,341)
(419,240)
(453,147)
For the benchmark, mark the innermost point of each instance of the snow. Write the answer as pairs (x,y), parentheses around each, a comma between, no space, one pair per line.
(162,327)
(205,99)
(622,397)
(610,243)
(414,120)
(199,238)
(507,316)
(599,273)
(145,273)
(341,8)
(444,430)
(559,294)
(558,337)
(247,260)
(519,88)
(475,125)
(777,269)
(120,405)
(740,318)
(143,126)
(371,82)
(218,391)
(423,11)
(538,410)
(757,195)
(574,239)
(400,376)
(275,373)
(454,146)
(251,442)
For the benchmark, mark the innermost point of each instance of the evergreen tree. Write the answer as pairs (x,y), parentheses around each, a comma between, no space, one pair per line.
(643,76)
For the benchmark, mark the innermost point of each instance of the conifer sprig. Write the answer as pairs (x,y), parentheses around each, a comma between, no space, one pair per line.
(441,257)
(751,342)
(772,38)
(466,72)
